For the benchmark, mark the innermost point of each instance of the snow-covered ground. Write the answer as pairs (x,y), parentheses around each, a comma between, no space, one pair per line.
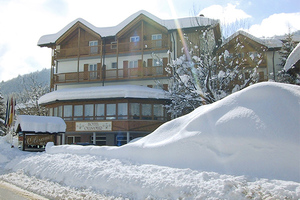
(246,146)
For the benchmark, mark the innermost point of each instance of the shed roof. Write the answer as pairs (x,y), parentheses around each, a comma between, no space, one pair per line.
(40,124)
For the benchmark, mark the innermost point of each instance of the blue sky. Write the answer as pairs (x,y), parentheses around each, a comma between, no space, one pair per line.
(23,22)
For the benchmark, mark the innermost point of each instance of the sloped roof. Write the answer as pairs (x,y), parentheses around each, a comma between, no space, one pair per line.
(112,31)
(103,92)
(268,42)
(293,58)
(44,124)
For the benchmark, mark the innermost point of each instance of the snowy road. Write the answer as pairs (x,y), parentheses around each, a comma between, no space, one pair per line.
(11,192)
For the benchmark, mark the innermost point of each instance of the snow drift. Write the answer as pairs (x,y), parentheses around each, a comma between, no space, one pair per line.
(253,132)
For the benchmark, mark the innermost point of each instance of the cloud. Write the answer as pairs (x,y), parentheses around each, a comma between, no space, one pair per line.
(23,22)
(227,15)
(276,24)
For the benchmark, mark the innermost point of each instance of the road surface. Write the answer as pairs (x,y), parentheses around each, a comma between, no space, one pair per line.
(12,192)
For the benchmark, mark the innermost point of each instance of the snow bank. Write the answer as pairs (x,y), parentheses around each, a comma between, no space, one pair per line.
(254,132)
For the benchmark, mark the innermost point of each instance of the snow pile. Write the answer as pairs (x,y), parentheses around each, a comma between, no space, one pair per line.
(254,132)
(225,150)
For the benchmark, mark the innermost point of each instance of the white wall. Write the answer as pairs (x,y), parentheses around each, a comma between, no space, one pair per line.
(277,61)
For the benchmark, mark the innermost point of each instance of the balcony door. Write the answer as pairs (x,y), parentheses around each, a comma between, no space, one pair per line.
(93,71)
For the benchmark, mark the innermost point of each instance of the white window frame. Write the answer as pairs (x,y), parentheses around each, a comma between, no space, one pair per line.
(135,38)
(93,46)
(156,37)
(133,64)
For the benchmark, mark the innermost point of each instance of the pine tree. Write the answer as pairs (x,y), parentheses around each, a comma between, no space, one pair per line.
(287,47)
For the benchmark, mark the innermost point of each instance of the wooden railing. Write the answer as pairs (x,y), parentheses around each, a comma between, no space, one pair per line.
(82,51)
(111,74)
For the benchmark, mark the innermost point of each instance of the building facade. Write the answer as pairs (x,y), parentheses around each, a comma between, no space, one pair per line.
(262,54)
(107,83)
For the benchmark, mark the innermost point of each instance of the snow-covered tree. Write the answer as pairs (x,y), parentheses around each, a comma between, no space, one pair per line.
(2,115)
(202,77)
(288,46)
(28,99)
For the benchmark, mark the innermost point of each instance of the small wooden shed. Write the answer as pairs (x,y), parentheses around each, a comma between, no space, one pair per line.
(35,132)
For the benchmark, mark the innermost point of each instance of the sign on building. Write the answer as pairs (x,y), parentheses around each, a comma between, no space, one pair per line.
(93,126)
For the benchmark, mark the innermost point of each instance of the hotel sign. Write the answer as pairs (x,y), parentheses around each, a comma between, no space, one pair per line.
(93,126)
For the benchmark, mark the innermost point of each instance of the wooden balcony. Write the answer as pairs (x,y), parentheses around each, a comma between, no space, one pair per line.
(111,48)
(112,74)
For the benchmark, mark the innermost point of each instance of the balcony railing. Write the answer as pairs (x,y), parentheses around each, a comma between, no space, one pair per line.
(112,48)
(111,74)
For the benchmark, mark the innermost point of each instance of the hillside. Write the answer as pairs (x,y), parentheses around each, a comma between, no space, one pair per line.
(16,85)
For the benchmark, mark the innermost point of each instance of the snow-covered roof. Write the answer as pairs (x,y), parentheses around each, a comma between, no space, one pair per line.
(293,58)
(43,124)
(268,42)
(103,92)
(112,31)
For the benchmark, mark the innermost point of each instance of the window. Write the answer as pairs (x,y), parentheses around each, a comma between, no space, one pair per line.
(134,110)
(59,111)
(146,111)
(51,112)
(78,112)
(133,64)
(156,37)
(110,111)
(93,71)
(114,65)
(157,62)
(100,140)
(158,111)
(253,56)
(88,111)
(99,109)
(93,46)
(68,112)
(122,111)
(135,39)
(113,45)
(73,139)
(158,42)
(55,112)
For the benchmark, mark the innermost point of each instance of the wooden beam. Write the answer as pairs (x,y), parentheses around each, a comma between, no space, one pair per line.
(78,54)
